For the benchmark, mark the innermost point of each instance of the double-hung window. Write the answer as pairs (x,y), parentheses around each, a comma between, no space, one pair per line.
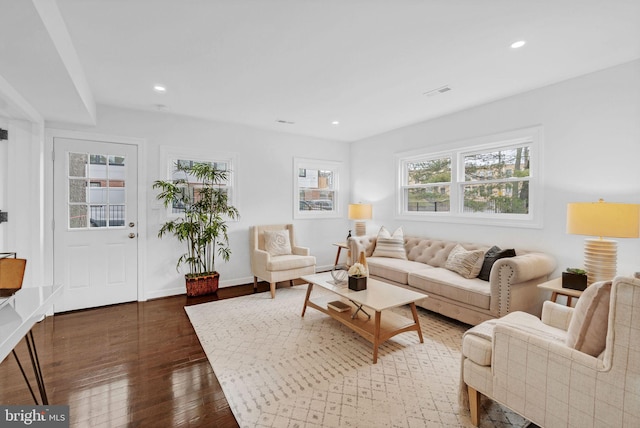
(490,180)
(185,158)
(315,189)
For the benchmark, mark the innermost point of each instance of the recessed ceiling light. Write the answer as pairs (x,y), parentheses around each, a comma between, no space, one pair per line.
(335,122)
(160,89)
(518,44)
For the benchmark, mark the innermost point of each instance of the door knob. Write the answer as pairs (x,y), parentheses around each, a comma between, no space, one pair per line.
(132,235)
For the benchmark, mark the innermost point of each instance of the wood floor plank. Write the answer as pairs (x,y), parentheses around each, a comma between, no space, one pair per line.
(136,364)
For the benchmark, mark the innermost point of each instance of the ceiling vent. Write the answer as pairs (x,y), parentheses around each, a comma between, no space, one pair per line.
(285,122)
(437,91)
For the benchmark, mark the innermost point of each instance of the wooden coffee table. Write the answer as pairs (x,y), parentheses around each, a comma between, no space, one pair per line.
(378,297)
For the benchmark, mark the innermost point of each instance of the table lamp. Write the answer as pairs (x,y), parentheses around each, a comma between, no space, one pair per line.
(604,220)
(360,212)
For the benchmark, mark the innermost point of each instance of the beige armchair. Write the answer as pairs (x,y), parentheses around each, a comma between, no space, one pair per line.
(275,257)
(575,367)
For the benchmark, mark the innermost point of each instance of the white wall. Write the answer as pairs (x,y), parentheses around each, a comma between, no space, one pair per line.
(591,151)
(21,195)
(264,187)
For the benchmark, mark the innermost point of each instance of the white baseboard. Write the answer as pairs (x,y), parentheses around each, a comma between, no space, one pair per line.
(158,294)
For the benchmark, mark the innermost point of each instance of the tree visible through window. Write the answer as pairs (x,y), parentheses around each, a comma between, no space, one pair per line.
(497,181)
(491,179)
(428,185)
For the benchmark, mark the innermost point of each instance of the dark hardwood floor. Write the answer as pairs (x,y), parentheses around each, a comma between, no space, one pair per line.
(136,364)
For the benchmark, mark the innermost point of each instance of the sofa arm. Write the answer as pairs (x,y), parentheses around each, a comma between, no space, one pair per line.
(555,315)
(300,251)
(358,244)
(524,267)
(513,283)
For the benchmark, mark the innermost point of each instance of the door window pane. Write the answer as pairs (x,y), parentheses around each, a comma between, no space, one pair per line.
(78,164)
(77,216)
(77,190)
(96,190)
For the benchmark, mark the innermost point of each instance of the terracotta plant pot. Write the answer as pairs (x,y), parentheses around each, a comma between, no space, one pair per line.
(201,285)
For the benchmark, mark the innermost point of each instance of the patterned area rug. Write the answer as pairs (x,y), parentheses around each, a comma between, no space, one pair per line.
(278,369)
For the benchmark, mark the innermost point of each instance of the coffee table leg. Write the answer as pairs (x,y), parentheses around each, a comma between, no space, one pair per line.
(414,311)
(306,299)
(376,337)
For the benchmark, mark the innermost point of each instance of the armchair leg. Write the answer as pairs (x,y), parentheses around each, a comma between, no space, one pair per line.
(474,405)
(273,290)
(255,284)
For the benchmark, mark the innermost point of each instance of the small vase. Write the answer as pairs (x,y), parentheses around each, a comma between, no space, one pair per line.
(357,283)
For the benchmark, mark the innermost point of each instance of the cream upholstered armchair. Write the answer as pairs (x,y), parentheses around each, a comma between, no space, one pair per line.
(576,367)
(275,257)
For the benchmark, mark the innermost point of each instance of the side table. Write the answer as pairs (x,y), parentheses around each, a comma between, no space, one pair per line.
(555,286)
(340,246)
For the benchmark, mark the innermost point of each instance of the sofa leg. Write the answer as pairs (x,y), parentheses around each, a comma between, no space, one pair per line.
(255,284)
(291,283)
(273,290)
(474,405)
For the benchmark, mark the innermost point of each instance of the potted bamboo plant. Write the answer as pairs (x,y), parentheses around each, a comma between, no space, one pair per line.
(202,225)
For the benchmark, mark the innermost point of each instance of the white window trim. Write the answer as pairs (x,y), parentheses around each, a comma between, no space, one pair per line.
(169,156)
(457,150)
(305,163)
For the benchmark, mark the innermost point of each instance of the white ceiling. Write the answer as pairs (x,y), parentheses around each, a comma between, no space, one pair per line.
(365,63)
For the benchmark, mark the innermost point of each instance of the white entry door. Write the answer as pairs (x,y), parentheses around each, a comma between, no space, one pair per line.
(95,223)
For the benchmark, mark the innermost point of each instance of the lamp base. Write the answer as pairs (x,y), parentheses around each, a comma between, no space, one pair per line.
(361,228)
(600,259)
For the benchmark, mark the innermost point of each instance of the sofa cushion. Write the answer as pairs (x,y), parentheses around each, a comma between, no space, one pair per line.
(476,342)
(276,242)
(466,263)
(493,254)
(289,261)
(587,330)
(390,245)
(395,270)
(445,283)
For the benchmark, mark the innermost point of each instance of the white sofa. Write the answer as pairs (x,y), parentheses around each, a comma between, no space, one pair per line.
(511,286)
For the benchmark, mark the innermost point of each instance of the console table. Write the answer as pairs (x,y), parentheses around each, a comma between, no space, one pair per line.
(18,314)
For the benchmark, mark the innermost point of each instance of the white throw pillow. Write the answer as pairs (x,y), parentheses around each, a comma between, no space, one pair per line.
(388,245)
(466,263)
(276,242)
(587,330)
